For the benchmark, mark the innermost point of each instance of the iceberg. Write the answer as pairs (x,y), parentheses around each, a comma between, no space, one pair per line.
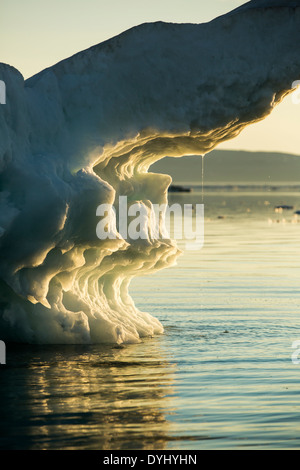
(87,130)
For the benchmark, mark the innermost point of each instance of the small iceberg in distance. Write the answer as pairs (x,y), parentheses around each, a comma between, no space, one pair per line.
(179,189)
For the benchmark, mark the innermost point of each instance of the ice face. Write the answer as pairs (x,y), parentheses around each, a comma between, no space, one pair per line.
(86,131)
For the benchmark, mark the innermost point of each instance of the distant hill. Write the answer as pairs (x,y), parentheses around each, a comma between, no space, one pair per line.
(229,166)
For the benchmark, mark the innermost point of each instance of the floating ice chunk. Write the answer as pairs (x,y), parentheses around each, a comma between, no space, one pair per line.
(86,131)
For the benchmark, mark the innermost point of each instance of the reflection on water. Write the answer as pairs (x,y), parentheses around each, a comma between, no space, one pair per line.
(85,397)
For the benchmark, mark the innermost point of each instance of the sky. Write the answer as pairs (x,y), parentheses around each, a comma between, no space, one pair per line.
(35,34)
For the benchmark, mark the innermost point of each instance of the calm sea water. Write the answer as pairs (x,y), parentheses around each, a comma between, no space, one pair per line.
(221,377)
